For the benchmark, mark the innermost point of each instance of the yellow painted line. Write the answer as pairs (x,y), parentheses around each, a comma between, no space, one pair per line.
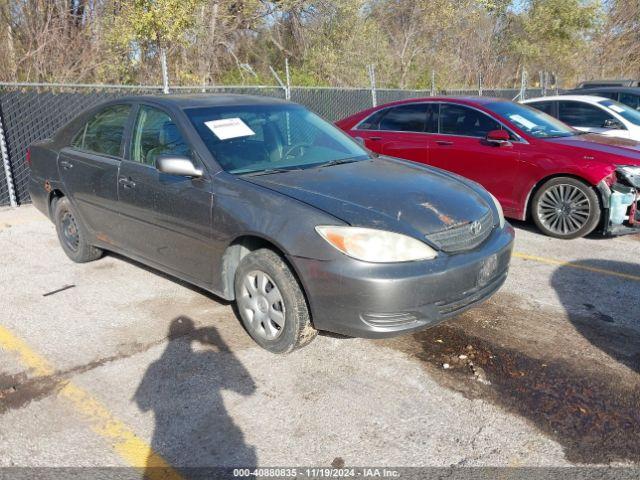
(135,451)
(562,263)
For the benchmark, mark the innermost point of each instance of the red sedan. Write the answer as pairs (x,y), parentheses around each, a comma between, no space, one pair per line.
(567,181)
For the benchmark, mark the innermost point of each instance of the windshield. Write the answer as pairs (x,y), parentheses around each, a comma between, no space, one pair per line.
(264,138)
(623,110)
(532,121)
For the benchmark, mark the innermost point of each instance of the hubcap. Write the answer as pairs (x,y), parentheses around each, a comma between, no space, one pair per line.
(564,209)
(70,231)
(261,305)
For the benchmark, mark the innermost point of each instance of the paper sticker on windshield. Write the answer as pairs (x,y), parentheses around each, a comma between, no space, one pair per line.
(616,108)
(226,128)
(522,121)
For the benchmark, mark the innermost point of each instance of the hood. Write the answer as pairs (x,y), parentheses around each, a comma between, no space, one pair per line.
(383,193)
(604,144)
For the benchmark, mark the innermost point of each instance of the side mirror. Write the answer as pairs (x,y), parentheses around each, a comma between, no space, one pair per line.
(177,165)
(498,137)
(613,124)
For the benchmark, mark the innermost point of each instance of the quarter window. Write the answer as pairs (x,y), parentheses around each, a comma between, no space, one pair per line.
(580,114)
(156,134)
(630,99)
(459,120)
(103,133)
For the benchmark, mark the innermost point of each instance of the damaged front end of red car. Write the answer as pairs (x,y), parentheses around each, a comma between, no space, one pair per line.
(620,193)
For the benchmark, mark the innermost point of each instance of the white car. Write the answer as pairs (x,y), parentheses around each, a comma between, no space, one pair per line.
(591,114)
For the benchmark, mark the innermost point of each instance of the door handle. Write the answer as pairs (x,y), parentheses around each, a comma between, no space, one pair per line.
(126,182)
(375,138)
(65,164)
(444,142)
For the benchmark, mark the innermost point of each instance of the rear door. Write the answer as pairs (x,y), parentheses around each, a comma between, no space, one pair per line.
(398,131)
(590,118)
(89,169)
(166,219)
(460,146)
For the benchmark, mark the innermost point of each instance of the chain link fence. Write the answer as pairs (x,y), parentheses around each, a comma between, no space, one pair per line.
(32,112)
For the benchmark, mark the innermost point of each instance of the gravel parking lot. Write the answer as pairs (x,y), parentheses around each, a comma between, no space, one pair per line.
(111,363)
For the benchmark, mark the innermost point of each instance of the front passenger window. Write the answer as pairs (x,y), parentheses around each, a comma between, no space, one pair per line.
(156,134)
(459,120)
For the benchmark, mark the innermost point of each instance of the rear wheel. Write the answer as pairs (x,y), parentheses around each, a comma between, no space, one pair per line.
(72,234)
(565,207)
(271,304)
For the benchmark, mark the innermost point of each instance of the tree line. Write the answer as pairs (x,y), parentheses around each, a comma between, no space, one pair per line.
(218,42)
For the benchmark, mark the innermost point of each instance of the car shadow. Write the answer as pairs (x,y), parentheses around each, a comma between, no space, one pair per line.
(168,276)
(618,339)
(193,431)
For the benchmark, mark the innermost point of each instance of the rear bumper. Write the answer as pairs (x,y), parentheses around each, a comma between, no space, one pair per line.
(368,300)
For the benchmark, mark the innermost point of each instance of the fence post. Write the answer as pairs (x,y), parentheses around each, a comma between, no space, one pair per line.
(523,85)
(165,70)
(372,80)
(433,83)
(287,93)
(479,84)
(277,77)
(4,152)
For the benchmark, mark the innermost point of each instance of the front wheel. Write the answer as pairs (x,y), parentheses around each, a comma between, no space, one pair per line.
(566,208)
(271,304)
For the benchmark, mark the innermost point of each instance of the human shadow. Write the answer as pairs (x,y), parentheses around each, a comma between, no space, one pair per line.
(193,432)
(606,311)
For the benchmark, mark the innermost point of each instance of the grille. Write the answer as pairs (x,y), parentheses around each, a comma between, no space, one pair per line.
(463,237)
(388,320)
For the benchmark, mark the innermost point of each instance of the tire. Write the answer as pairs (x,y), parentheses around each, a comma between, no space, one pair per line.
(72,234)
(566,208)
(271,303)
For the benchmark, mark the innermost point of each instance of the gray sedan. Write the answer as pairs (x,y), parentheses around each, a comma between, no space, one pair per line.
(260,201)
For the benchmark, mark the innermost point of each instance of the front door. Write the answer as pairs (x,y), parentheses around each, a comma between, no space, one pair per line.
(460,146)
(166,219)
(89,170)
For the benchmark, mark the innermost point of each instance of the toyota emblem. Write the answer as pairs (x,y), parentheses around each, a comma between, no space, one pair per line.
(476,227)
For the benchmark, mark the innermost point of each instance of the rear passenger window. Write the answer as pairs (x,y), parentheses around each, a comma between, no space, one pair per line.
(459,120)
(103,133)
(546,107)
(405,118)
(579,114)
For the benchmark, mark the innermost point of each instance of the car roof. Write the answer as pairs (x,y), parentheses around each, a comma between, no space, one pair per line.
(465,100)
(577,98)
(185,101)
(635,90)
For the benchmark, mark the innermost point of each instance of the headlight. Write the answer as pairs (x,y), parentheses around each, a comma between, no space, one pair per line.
(499,208)
(377,246)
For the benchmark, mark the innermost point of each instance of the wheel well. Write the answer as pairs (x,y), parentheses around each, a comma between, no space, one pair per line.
(235,252)
(537,186)
(53,196)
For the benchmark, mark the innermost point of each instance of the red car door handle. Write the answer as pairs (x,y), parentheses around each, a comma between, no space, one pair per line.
(375,138)
(444,142)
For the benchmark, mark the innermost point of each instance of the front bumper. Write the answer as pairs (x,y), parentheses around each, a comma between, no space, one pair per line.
(369,300)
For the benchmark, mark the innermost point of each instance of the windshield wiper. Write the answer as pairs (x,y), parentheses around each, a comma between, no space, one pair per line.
(338,162)
(268,171)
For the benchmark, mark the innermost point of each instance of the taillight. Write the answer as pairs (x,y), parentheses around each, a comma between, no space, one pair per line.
(28,158)
(611,178)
